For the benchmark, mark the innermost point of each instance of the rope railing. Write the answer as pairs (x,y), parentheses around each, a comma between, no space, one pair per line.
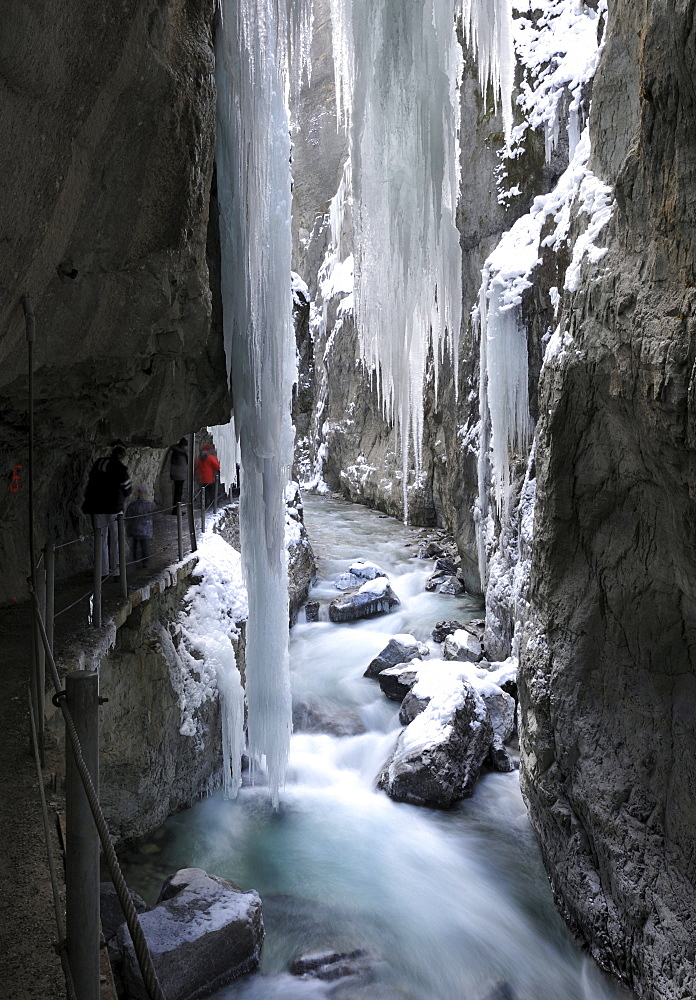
(61,944)
(139,943)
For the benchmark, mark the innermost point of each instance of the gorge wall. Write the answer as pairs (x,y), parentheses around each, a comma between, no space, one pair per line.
(108,124)
(607,664)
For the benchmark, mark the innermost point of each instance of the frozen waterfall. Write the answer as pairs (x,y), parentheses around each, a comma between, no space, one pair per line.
(398,72)
(260,50)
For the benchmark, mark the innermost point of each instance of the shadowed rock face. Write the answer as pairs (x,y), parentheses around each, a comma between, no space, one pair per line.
(608,687)
(107,115)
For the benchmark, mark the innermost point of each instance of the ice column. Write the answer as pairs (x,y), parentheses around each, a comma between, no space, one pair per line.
(257,43)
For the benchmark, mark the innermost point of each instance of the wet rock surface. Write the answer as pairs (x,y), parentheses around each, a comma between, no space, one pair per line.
(332,965)
(437,766)
(375,597)
(203,933)
(462,645)
(400,649)
(396,682)
(312,716)
(607,680)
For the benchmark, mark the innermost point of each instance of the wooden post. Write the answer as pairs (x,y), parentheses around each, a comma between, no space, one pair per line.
(180,530)
(50,563)
(122,554)
(96,584)
(191,484)
(82,840)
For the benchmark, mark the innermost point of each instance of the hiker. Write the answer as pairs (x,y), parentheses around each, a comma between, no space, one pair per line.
(139,526)
(107,488)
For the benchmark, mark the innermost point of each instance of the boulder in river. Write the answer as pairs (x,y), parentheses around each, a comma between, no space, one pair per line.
(313,716)
(438,756)
(204,932)
(462,645)
(397,681)
(312,611)
(443,629)
(331,965)
(401,648)
(451,585)
(411,706)
(375,597)
(365,570)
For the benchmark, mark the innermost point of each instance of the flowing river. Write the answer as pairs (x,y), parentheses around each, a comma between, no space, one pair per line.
(449,905)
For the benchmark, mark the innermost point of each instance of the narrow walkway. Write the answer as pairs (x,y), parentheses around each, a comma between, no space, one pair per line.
(29,966)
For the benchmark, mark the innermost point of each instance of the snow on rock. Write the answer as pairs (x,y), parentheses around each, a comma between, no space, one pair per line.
(395,682)
(365,569)
(200,653)
(438,756)
(203,933)
(556,44)
(462,645)
(375,597)
(401,648)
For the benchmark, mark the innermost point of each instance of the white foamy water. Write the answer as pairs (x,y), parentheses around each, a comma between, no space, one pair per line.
(449,906)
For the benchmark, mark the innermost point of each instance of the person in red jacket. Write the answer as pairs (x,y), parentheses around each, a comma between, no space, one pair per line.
(206,468)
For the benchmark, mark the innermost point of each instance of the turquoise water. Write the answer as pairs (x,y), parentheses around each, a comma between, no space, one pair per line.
(449,906)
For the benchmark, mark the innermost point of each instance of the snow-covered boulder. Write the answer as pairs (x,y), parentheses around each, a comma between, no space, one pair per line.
(438,756)
(397,681)
(444,628)
(411,706)
(401,648)
(375,597)
(365,570)
(451,585)
(462,645)
(348,581)
(203,933)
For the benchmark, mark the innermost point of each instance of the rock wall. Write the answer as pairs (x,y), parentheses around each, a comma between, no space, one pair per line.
(149,769)
(108,119)
(607,685)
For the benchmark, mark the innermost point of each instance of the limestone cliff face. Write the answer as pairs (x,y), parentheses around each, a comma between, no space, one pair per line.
(107,117)
(608,681)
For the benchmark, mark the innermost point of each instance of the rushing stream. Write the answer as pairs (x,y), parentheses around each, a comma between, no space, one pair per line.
(450,905)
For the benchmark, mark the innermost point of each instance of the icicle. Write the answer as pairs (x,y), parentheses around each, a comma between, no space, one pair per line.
(258,45)
(398,72)
(227,448)
(488,28)
(504,362)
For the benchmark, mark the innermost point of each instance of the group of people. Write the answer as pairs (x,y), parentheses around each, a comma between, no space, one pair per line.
(109,486)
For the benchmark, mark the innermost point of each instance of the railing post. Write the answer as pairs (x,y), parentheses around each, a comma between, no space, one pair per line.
(50,564)
(96,608)
(82,839)
(202,508)
(215,500)
(191,494)
(122,553)
(40,660)
(180,530)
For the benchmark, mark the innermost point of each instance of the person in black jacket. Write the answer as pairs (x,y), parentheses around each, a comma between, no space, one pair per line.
(107,488)
(178,470)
